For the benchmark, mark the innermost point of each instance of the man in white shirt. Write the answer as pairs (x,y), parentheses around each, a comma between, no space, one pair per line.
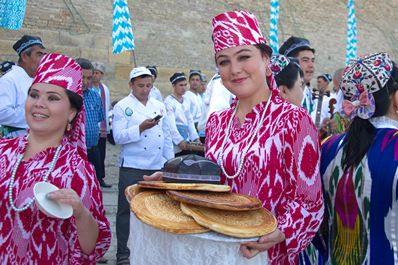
(192,96)
(215,98)
(140,125)
(103,92)
(14,85)
(182,128)
(155,92)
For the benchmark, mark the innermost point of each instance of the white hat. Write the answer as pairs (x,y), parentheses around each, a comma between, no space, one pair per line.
(99,67)
(139,71)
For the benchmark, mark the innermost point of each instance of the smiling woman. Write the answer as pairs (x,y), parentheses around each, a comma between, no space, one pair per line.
(48,110)
(54,151)
(265,146)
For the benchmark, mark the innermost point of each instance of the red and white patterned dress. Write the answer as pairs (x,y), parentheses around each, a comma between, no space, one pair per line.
(281,168)
(30,237)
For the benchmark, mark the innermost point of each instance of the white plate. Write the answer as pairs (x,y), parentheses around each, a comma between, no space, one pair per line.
(211,235)
(47,206)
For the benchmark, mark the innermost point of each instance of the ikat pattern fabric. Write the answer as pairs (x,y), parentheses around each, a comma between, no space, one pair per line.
(281,168)
(30,237)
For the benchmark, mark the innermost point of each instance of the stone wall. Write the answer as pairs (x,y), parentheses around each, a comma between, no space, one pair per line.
(176,35)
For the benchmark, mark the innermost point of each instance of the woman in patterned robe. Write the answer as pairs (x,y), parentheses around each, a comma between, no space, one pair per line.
(360,168)
(53,151)
(265,146)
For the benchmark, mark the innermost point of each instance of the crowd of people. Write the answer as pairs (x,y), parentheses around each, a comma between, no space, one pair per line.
(323,160)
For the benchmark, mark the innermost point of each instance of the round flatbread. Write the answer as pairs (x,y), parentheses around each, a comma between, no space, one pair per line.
(160,211)
(183,186)
(220,200)
(238,224)
(131,191)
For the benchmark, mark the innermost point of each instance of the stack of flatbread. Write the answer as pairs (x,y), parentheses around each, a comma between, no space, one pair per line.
(184,208)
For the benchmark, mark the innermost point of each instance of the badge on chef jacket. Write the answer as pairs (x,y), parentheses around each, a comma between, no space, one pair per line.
(128,111)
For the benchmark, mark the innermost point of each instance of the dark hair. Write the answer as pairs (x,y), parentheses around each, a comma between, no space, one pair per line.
(296,52)
(153,70)
(361,133)
(324,78)
(264,48)
(28,51)
(76,101)
(193,74)
(85,64)
(288,76)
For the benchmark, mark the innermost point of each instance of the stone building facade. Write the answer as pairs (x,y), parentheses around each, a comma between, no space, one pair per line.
(176,35)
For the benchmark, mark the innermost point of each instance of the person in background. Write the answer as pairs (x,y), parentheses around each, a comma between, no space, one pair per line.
(359,167)
(182,127)
(94,115)
(141,127)
(215,98)
(15,83)
(103,92)
(289,78)
(265,146)
(192,97)
(301,49)
(155,92)
(5,67)
(54,151)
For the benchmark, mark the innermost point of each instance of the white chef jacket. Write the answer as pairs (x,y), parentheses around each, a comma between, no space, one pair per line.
(155,93)
(150,149)
(195,102)
(14,86)
(215,98)
(180,116)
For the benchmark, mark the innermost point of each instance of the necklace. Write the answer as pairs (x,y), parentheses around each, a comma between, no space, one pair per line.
(23,208)
(244,152)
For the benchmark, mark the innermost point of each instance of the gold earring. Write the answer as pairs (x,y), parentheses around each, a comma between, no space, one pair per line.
(68,127)
(268,72)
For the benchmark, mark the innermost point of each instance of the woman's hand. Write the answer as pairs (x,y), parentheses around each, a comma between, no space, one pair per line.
(251,249)
(70,197)
(155,176)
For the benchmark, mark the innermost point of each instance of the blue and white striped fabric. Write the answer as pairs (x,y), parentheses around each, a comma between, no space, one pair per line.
(122,33)
(273,25)
(12,13)
(351,51)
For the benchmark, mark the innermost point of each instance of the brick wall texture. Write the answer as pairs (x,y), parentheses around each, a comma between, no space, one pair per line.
(176,35)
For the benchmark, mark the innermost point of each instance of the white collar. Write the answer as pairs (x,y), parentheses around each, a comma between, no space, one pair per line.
(384,122)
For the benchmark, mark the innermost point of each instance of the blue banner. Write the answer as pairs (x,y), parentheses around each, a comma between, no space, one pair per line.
(12,13)
(122,33)
(273,25)
(351,50)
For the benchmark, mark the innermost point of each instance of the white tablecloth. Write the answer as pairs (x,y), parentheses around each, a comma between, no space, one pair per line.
(150,246)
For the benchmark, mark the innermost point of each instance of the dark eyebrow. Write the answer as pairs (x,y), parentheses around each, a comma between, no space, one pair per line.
(47,92)
(236,53)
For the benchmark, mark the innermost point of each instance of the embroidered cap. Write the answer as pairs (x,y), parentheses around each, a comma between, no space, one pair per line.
(195,72)
(236,28)
(294,45)
(326,77)
(177,77)
(25,42)
(362,77)
(191,168)
(369,72)
(59,70)
(278,63)
(98,66)
(6,66)
(153,69)
(139,71)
